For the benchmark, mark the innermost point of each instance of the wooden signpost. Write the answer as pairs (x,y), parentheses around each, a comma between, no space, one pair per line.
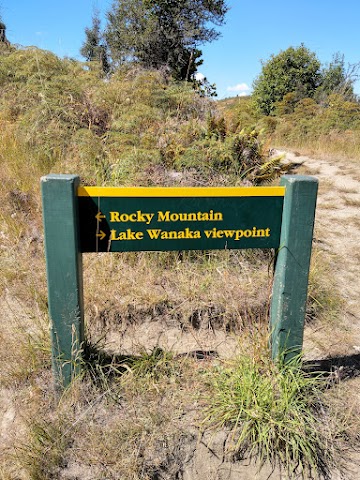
(78,220)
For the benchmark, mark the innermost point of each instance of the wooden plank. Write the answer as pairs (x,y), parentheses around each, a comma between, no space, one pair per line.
(64,274)
(290,287)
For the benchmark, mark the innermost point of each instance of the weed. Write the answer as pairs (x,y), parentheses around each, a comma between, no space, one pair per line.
(43,456)
(273,412)
(154,365)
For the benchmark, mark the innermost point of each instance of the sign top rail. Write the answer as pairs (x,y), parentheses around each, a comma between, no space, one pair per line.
(181,191)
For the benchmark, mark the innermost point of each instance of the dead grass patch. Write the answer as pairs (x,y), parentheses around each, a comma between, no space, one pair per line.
(326,186)
(344,189)
(354,220)
(136,428)
(325,302)
(329,205)
(351,202)
(197,295)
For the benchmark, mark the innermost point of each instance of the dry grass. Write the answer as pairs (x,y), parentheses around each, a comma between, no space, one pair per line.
(346,189)
(356,253)
(134,414)
(351,202)
(325,302)
(334,146)
(138,416)
(354,220)
(332,205)
(131,427)
(325,187)
(202,297)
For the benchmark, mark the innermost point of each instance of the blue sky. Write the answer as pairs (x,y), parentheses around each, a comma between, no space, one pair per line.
(253,31)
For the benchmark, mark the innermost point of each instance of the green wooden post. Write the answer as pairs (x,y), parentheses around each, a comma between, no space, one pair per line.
(290,287)
(64,274)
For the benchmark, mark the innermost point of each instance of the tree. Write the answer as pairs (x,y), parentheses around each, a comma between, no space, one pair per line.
(163,33)
(94,48)
(336,78)
(3,38)
(293,70)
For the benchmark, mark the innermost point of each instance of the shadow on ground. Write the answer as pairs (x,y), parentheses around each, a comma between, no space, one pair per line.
(97,360)
(338,368)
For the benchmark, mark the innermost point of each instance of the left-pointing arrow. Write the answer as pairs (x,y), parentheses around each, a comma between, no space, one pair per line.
(101,235)
(99,216)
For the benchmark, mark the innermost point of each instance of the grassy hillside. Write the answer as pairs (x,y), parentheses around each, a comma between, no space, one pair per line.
(328,127)
(168,390)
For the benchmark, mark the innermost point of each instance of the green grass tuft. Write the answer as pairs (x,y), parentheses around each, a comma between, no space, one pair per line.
(274,412)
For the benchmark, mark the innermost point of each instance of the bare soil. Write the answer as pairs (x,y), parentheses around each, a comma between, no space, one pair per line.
(337,231)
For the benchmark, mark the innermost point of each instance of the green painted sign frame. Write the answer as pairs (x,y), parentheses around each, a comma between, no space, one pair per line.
(78,220)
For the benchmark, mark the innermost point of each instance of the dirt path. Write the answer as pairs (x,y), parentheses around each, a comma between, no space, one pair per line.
(337,232)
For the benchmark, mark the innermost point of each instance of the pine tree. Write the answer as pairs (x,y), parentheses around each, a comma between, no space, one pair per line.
(3,38)
(163,33)
(94,48)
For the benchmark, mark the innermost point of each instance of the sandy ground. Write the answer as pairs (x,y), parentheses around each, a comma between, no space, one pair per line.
(337,231)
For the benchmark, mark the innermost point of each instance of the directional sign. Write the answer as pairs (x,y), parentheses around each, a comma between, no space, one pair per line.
(98,219)
(140,219)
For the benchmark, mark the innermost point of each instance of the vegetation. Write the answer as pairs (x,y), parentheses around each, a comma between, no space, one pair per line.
(2,32)
(155,358)
(326,121)
(94,48)
(296,74)
(156,34)
(293,70)
(273,413)
(337,79)
(137,122)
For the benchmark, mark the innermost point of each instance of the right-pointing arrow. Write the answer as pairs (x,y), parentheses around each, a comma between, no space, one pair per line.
(101,235)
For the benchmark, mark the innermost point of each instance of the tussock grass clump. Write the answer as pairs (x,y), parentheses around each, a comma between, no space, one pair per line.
(43,456)
(275,413)
(154,365)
